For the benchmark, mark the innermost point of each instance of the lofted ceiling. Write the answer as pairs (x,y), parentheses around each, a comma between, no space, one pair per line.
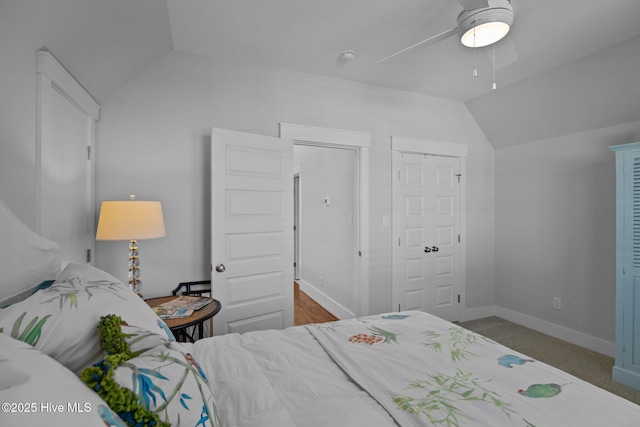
(309,36)
(580,51)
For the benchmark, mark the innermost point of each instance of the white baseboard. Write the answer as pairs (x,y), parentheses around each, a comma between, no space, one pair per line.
(477,313)
(566,334)
(570,335)
(325,301)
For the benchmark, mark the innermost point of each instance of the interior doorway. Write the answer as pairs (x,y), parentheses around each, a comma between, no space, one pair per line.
(357,144)
(325,224)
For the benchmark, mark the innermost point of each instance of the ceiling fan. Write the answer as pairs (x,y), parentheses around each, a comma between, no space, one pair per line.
(480,23)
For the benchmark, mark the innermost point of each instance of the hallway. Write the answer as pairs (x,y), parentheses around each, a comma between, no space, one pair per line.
(306,310)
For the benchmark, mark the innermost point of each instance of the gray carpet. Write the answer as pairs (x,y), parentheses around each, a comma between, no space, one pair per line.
(578,361)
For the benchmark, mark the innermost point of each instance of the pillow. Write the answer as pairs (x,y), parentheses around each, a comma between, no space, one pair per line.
(42,392)
(27,293)
(118,337)
(163,385)
(26,258)
(85,272)
(61,320)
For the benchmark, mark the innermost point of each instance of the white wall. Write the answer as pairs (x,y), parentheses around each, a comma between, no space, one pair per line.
(154,135)
(327,243)
(153,140)
(555,233)
(79,33)
(19,41)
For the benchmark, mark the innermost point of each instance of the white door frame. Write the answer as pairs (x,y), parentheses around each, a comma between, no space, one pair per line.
(53,80)
(361,143)
(449,149)
(296,223)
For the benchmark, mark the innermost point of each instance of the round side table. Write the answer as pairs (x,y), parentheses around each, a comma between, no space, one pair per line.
(179,326)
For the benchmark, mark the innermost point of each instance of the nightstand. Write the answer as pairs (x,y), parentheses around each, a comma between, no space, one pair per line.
(184,328)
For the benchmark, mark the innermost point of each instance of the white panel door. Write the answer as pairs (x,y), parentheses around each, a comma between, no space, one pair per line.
(252,231)
(426,225)
(65,179)
(65,184)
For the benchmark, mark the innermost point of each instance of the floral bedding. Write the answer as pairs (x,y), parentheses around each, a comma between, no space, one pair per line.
(408,369)
(148,379)
(60,320)
(282,378)
(426,371)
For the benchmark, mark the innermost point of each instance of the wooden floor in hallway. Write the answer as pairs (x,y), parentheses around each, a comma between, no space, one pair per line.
(306,310)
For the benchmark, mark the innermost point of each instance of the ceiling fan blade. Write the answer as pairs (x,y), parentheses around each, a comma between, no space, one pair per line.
(473,4)
(427,42)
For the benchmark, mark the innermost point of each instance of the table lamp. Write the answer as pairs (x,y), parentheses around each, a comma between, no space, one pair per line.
(131,220)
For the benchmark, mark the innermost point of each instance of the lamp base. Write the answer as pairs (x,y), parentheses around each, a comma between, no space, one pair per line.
(135,287)
(134,268)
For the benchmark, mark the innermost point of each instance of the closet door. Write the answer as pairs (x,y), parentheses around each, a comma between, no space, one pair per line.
(426,220)
(65,139)
(428,226)
(627,366)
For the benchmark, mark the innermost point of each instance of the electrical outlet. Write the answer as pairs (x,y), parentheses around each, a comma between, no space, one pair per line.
(557,303)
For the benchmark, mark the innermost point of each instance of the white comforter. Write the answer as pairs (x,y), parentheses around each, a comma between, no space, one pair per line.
(281,379)
(409,369)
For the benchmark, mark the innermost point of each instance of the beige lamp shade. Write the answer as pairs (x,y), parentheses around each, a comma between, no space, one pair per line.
(130,220)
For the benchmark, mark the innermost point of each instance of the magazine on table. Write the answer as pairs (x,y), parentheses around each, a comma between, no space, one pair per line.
(187,301)
(172,312)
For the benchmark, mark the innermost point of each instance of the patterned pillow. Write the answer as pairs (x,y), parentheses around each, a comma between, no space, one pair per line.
(86,272)
(27,293)
(161,386)
(118,337)
(61,319)
(42,392)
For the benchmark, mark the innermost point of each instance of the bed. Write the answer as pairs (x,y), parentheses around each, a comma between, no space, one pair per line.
(78,348)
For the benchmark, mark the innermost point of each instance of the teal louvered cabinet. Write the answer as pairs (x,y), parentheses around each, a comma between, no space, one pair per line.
(627,366)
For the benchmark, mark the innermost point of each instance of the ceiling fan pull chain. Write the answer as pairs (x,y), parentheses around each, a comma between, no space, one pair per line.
(475,66)
(494,68)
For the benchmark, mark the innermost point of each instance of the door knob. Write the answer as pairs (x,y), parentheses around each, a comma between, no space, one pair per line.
(220,268)
(435,249)
(427,249)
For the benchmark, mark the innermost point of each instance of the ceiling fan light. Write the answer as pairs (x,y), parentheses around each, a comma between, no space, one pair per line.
(491,24)
(485,34)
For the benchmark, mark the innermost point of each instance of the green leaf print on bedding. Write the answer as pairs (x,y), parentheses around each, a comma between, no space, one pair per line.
(31,333)
(442,397)
(388,336)
(458,341)
(67,292)
(541,390)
